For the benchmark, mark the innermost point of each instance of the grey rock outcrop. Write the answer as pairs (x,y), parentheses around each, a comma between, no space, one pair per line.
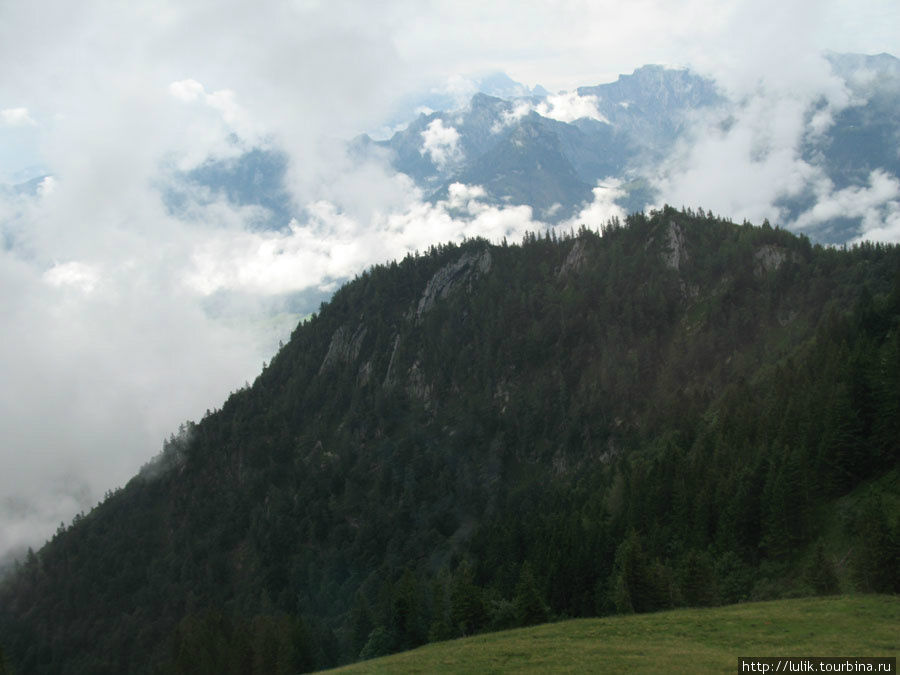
(344,347)
(575,261)
(389,378)
(769,258)
(449,278)
(676,253)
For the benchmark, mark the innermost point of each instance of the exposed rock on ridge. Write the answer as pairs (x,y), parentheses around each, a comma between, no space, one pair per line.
(769,258)
(677,253)
(575,261)
(344,347)
(450,277)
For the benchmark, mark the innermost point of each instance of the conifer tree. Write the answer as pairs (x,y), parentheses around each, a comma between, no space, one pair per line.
(529,607)
(819,574)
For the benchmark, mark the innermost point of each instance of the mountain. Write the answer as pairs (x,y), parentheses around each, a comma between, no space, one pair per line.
(253,178)
(454,94)
(548,151)
(653,105)
(864,136)
(680,411)
(529,150)
(529,166)
(859,142)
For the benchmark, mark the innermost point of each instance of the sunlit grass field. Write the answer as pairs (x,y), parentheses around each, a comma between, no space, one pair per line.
(679,641)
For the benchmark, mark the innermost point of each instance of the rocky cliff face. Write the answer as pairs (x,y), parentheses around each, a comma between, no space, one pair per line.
(344,347)
(452,277)
(676,253)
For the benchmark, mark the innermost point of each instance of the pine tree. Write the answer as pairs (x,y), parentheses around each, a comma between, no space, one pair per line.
(876,561)
(408,621)
(529,607)
(819,574)
(697,579)
(361,624)
(633,586)
(467,610)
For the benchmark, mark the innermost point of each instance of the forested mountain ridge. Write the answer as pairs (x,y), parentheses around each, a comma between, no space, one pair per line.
(682,411)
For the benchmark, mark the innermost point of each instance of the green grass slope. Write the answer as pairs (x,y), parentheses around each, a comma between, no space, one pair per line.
(680,641)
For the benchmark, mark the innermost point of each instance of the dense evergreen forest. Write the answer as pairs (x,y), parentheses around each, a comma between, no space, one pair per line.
(676,411)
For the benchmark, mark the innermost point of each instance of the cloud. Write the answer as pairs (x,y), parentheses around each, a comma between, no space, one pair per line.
(570,106)
(465,198)
(187,90)
(563,107)
(882,225)
(876,205)
(101,357)
(745,159)
(511,116)
(441,143)
(602,207)
(750,161)
(74,274)
(46,186)
(457,88)
(333,244)
(16,117)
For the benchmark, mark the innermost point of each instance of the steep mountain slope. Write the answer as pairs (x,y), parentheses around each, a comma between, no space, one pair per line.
(677,412)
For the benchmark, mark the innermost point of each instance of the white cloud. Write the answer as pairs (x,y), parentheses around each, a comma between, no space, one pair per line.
(745,162)
(75,274)
(16,117)
(821,122)
(466,198)
(602,207)
(103,353)
(877,205)
(187,90)
(742,161)
(46,186)
(460,88)
(563,107)
(509,117)
(337,245)
(218,135)
(882,224)
(441,143)
(570,106)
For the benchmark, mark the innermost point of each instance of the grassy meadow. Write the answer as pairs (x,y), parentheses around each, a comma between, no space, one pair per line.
(679,641)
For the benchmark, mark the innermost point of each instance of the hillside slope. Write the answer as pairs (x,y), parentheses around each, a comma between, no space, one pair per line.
(480,437)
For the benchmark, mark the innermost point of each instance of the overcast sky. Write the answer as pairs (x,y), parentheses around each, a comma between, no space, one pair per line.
(108,340)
